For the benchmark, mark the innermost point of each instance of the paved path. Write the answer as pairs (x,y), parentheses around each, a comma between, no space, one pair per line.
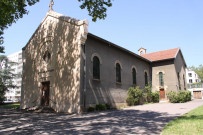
(143,119)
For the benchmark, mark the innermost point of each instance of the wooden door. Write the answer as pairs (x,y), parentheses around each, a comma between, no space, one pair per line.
(45,93)
(197,94)
(162,94)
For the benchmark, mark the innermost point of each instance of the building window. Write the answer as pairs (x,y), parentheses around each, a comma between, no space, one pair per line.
(96,68)
(161,79)
(179,81)
(118,73)
(184,82)
(190,81)
(134,76)
(190,74)
(146,79)
(47,56)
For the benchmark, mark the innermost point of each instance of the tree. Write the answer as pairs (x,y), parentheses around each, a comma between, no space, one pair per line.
(12,10)
(6,76)
(199,71)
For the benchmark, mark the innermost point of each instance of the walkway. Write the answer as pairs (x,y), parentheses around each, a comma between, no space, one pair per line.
(143,119)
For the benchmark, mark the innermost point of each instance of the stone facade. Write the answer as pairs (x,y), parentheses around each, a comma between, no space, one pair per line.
(53,55)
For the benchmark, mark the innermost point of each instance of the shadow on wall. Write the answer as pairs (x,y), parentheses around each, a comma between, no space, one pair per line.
(60,38)
(108,122)
(98,94)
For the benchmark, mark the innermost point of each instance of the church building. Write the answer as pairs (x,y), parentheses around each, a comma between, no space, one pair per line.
(69,69)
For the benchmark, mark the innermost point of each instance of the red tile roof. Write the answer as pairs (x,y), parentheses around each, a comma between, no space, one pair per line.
(161,55)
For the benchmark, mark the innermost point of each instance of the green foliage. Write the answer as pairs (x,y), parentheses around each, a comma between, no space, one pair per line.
(134,95)
(10,106)
(108,106)
(10,12)
(199,71)
(179,97)
(147,94)
(91,109)
(155,97)
(100,107)
(6,76)
(96,8)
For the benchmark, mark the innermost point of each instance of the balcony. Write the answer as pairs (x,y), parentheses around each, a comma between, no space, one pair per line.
(195,85)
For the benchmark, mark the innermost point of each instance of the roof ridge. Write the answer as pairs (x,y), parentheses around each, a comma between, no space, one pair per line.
(162,51)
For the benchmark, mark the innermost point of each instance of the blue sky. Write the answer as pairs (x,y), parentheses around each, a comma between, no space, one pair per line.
(153,24)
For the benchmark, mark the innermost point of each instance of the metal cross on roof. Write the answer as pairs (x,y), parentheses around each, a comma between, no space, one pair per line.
(51,5)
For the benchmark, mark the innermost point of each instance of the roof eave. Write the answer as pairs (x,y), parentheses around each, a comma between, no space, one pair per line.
(119,47)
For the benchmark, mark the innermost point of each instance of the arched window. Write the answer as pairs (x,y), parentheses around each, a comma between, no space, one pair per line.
(96,68)
(184,82)
(46,56)
(161,79)
(134,75)
(146,78)
(179,81)
(118,72)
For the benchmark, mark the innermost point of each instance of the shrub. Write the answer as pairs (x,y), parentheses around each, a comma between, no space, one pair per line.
(134,95)
(100,107)
(91,109)
(172,96)
(108,106)
(155,97)
(147,95)
(179,97)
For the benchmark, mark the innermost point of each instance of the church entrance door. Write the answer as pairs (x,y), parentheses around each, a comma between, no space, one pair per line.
(45,93)
(162,94)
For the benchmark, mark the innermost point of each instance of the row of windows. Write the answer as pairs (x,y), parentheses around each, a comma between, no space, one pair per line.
(161,80)
(96,72)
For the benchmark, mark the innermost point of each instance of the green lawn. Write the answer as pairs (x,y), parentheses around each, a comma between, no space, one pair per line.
(10,106)
(188,124)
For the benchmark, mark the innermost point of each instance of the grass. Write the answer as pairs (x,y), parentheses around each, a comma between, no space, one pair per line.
(188,124)
(10,106)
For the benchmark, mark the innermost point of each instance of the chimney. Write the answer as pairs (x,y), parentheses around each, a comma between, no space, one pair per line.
(142,51)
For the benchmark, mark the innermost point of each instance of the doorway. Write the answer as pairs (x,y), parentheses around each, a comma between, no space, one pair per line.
(162,94)
(45,93)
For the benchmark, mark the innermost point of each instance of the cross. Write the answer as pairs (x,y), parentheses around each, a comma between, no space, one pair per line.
(51,4)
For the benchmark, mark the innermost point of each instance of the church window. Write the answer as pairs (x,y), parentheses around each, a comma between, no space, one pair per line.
(46,56)
(184,82)
(96,68)
(118,73)
(179,81)
(134,76)
(161,79)
(146,79)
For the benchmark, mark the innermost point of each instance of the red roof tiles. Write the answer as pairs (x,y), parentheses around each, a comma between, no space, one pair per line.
(161,55)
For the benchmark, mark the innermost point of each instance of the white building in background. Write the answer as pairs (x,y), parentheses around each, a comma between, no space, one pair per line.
(191,76)
(15,94)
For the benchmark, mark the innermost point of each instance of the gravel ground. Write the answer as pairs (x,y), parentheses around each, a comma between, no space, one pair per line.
(142,119)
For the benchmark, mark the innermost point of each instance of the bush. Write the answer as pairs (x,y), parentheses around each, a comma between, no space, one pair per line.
(155,97)
(108,106)
(179,97)
(134,95)
(100,107)
(147,95)
(91,109)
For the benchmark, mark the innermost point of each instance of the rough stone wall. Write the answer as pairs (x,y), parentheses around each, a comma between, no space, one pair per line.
(106,90)
(62,37)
